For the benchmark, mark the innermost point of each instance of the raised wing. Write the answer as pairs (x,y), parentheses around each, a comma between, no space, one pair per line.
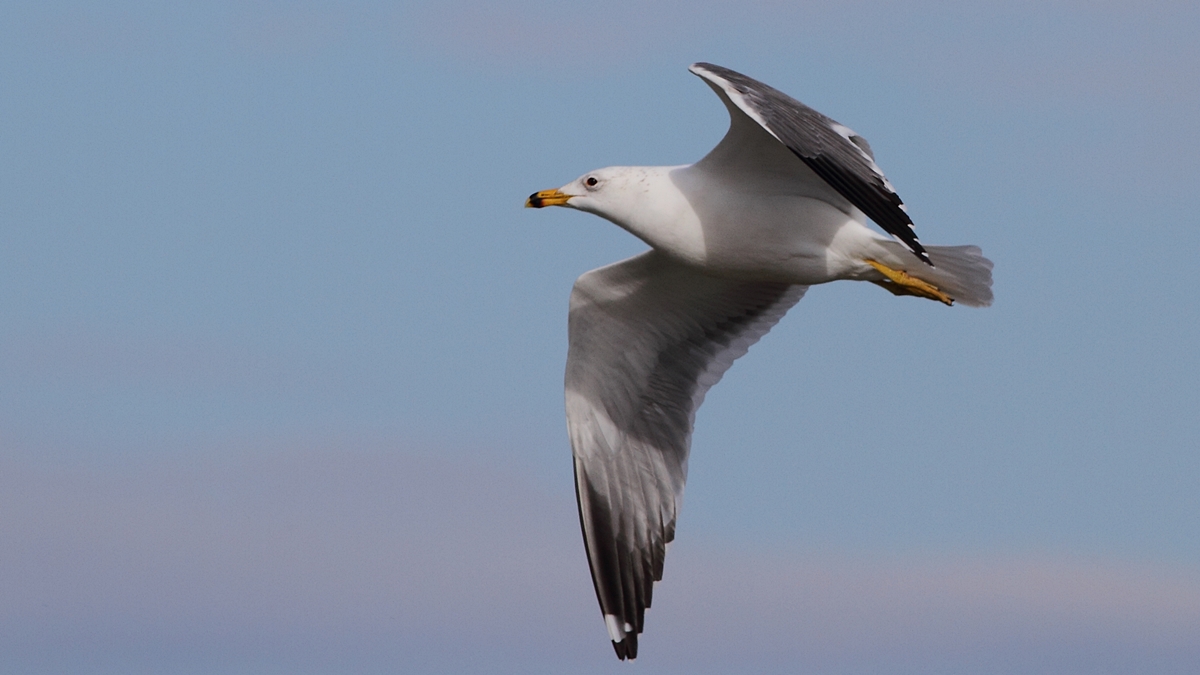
(842,158)
(648,338)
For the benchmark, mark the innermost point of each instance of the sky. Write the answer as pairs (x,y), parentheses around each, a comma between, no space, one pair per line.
(281,353)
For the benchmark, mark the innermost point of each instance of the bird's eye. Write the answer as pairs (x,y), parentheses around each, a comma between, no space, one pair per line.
(591,181)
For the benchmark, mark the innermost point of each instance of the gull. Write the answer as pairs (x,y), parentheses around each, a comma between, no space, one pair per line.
(780,204)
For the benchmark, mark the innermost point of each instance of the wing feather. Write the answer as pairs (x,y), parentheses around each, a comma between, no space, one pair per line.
(648,338)
(832,151)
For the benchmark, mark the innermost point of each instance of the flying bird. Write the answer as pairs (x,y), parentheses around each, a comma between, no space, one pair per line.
(780,204)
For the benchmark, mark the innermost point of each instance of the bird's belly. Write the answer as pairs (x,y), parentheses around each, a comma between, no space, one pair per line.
(796,240)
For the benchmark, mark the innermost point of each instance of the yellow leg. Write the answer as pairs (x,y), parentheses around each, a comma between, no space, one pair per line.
(900,282)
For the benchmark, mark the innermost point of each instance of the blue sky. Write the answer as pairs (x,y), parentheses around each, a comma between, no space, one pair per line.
(281,353)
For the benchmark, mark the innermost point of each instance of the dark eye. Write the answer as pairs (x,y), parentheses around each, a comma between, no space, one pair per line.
(591,181)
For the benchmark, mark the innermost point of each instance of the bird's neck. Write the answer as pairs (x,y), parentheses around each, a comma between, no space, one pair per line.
(659,213)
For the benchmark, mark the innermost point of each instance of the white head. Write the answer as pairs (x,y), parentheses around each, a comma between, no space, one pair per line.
(614,192)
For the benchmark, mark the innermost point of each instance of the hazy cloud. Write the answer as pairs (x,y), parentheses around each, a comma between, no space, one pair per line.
(1056,50)
(360,556)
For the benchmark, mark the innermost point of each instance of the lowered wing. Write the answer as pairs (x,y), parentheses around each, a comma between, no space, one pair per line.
(648,338)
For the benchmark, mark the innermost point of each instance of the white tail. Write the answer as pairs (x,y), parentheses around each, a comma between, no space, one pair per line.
(959,271)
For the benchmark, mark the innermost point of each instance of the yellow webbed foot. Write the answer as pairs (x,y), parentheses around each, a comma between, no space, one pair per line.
(899,282)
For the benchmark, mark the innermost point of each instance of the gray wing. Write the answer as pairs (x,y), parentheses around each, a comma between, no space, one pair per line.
(648,338)
(841,158)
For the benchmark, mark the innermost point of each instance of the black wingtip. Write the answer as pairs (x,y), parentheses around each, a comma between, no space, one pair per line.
(626,648)
(914,246)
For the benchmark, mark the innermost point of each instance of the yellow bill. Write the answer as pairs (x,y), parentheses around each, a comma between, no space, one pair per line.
(546,198)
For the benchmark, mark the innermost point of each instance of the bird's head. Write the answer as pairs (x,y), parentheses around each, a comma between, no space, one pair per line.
(602,192)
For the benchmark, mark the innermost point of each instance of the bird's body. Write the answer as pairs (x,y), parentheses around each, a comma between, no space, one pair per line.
(751,232)
(736,239)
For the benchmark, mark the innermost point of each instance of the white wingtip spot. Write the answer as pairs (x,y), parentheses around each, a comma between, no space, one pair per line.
(613,624)
(846,133)
(843,130)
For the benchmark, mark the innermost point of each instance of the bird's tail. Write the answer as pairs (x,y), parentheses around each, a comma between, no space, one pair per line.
(959,271)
